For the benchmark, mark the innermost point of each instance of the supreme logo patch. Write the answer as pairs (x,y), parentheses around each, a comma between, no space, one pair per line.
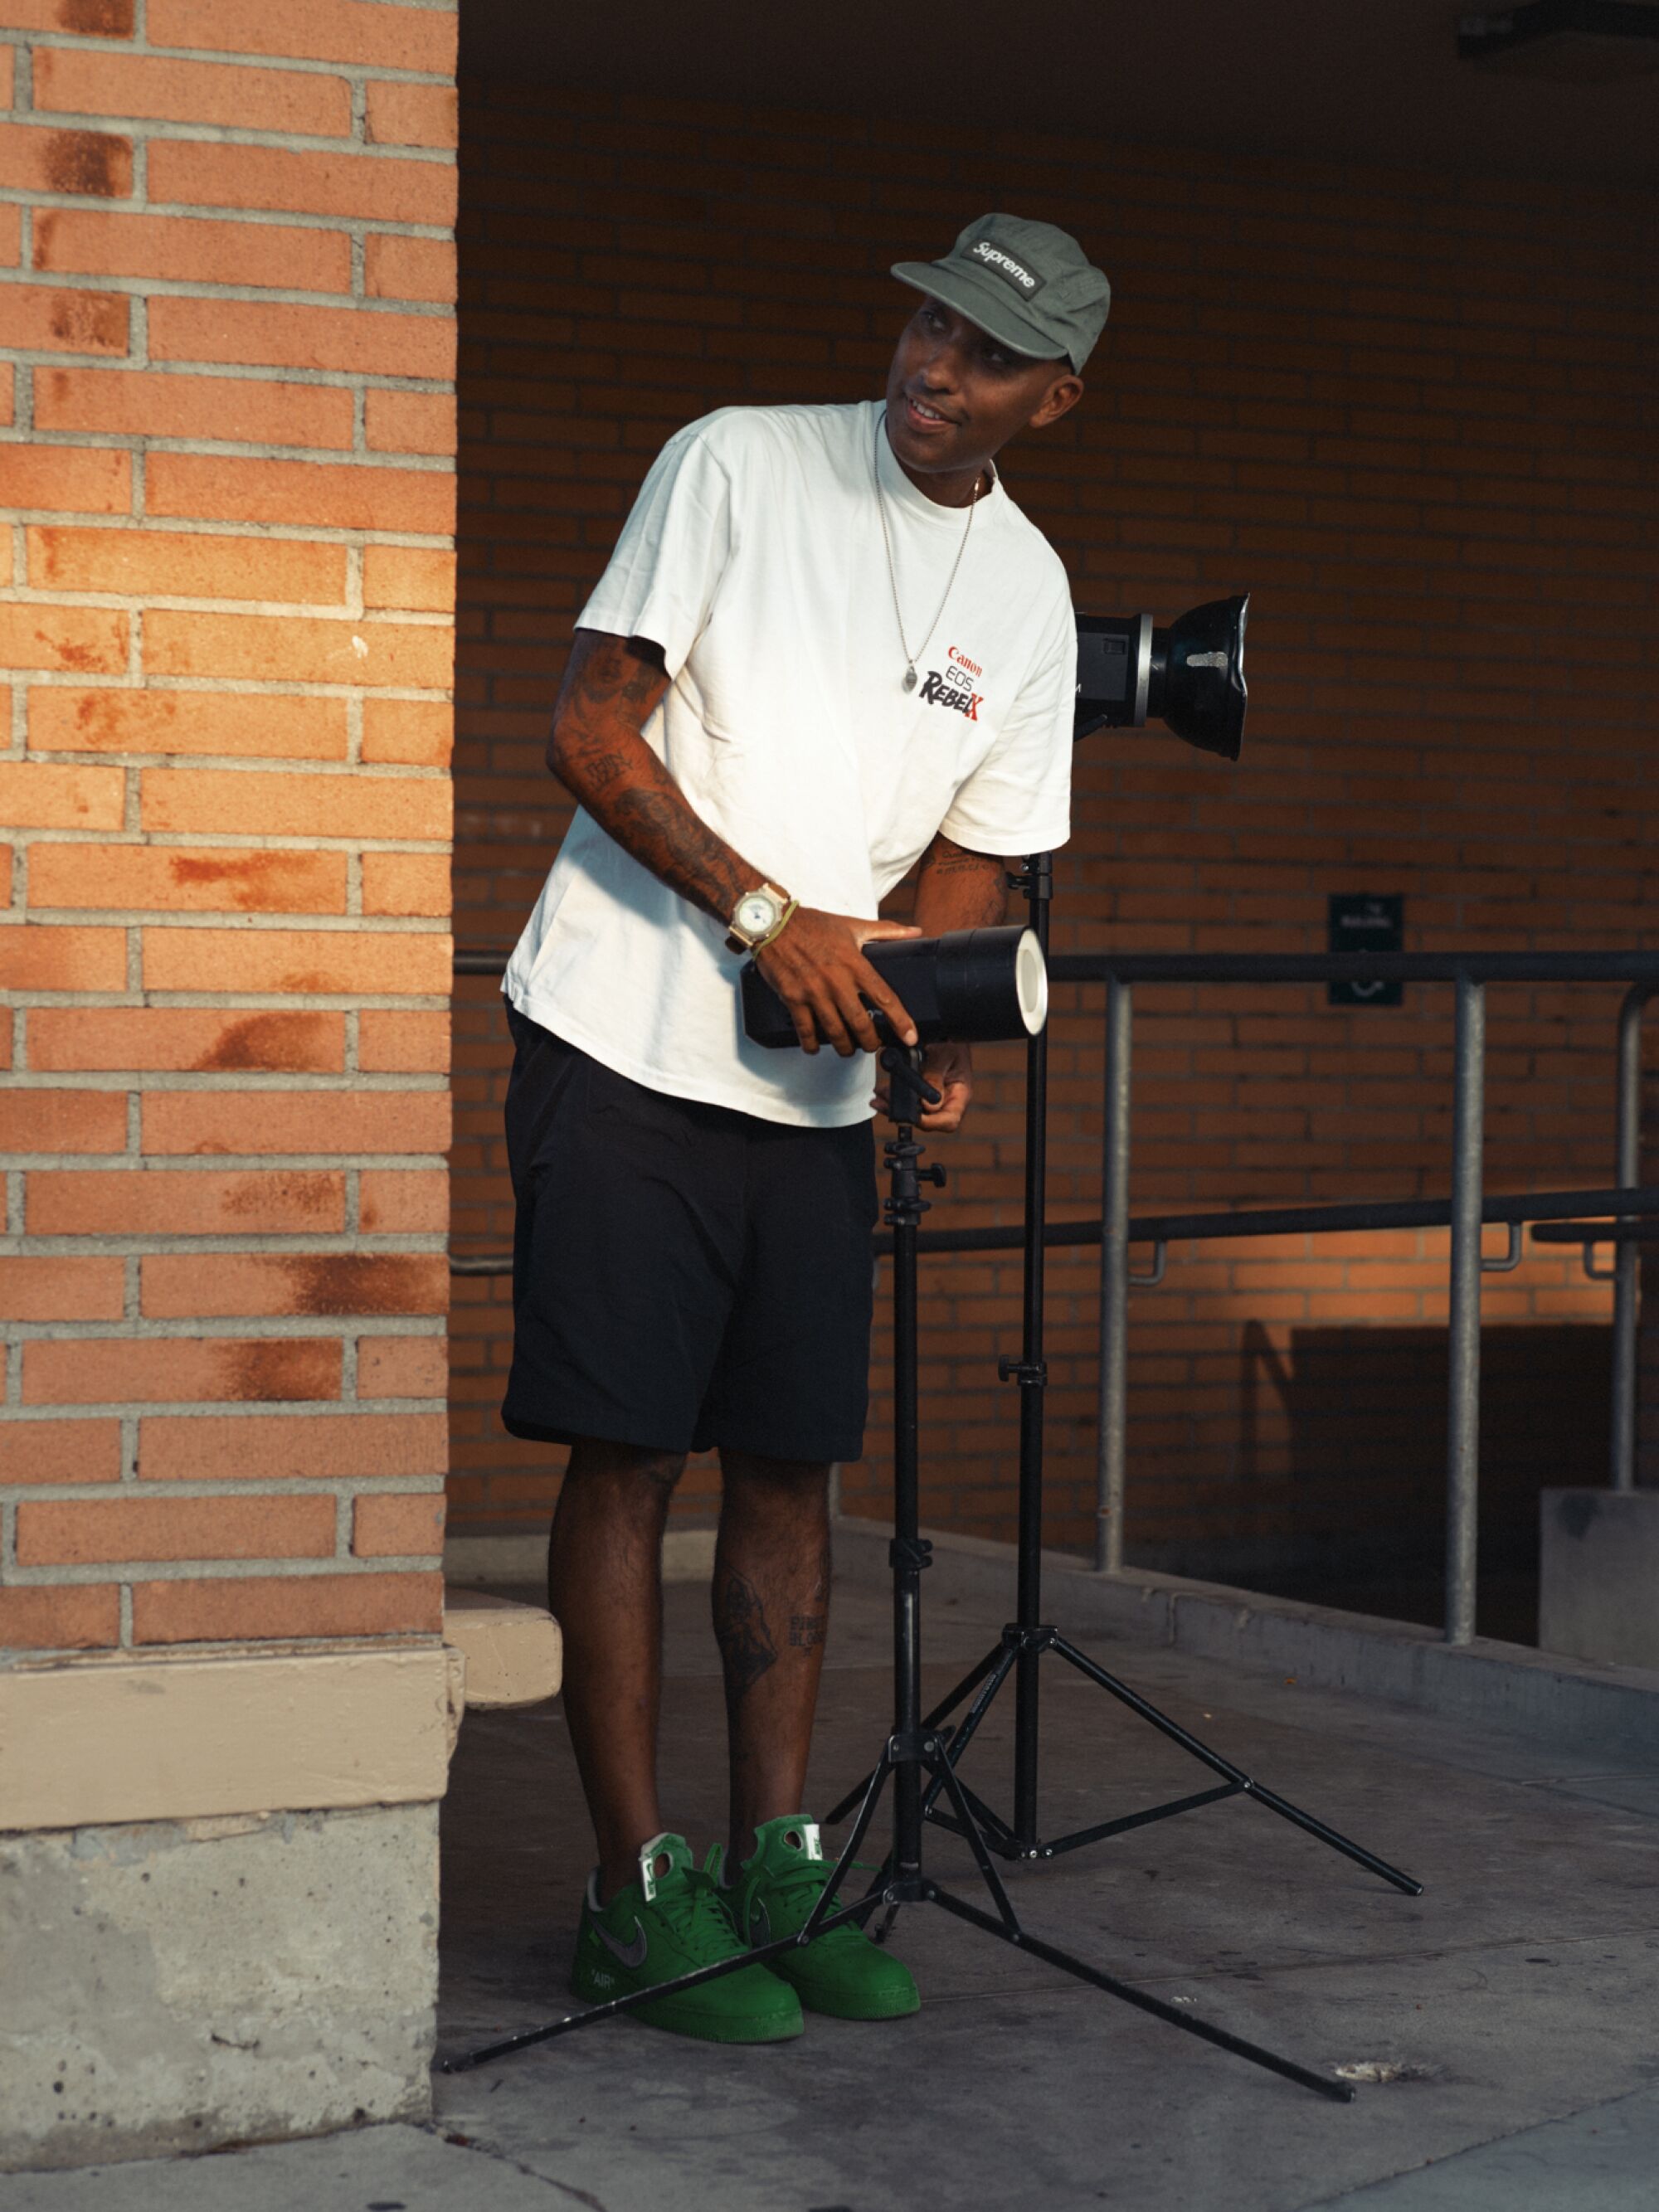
(1013,273)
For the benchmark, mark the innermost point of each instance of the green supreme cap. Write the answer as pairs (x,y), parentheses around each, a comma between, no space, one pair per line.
(1031,285)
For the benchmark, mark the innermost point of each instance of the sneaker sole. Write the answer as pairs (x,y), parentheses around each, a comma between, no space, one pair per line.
(902,2008)
(783,2029)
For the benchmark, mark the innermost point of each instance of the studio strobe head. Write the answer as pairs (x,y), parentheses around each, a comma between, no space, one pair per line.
(971,986)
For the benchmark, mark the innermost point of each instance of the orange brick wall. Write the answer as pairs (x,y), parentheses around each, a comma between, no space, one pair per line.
(1413,413)
(226,472)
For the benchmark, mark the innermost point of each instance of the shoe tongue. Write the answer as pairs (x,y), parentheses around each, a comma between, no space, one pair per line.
(791,1836)
(653,1872)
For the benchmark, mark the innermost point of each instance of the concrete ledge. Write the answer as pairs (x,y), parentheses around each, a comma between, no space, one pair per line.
(514,1653)
(688,1556)
(1598,1594)
(1595,1708)
(181,1735)
(180,1985)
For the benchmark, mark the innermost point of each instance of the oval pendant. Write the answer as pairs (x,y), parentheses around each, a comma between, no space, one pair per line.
(909,679)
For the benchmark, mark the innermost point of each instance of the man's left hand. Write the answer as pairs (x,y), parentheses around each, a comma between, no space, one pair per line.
(950,1069)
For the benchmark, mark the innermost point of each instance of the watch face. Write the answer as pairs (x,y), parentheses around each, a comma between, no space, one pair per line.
(755,913)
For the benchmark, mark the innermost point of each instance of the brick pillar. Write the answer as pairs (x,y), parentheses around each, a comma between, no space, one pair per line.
(227,483)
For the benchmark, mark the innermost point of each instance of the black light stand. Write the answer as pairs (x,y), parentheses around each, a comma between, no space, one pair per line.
(916,1758)
(1191,678)
(1027,1639)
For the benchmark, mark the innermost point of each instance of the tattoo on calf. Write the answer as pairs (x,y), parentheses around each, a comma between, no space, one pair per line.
(807,1629)
(746,1641)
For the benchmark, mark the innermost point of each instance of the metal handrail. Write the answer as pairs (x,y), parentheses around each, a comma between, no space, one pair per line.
(1469,973)
(1465,1211)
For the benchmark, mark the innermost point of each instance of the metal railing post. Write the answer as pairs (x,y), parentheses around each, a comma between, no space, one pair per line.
(1114,1283)
(1627,1258)
(1463,1427)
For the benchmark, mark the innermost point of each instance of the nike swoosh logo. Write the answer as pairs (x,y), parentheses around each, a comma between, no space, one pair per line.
(631,1955)
(760,1925)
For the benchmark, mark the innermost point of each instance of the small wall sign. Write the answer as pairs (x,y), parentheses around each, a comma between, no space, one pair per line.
(1362,922)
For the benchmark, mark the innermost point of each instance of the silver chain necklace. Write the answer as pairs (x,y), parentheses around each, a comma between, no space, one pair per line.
(911,659)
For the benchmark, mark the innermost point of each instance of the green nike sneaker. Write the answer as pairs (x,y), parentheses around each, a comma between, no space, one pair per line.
(841,1972)
(668,1923)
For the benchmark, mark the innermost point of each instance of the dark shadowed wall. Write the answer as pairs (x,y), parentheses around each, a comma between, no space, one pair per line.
(1413,413)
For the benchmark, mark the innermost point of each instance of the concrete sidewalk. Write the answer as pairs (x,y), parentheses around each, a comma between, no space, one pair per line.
(1501,2027)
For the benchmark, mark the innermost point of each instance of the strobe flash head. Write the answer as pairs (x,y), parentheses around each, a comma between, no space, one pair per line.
(1189,676)
(971,986)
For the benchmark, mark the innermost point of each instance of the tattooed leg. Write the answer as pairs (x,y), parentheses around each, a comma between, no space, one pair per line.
(771,1611)
(605,1588)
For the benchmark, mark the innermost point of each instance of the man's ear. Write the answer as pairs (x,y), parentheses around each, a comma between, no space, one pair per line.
(1063,396)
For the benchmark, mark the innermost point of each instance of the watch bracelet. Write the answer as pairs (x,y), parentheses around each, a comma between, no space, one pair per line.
(777,928)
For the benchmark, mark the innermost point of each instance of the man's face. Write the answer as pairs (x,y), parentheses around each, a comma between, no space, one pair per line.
(955,396)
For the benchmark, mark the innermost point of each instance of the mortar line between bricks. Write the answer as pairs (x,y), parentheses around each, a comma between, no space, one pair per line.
(320,457)
(296,1327)
(158,840)
(294,64)
(285,1409)
(210,1409)
(250,1163)
(210,1083)
(319,611)
(321,379)
(66,1575)
(315,610)
(359,227)
(249,688)
(274,1244)
(286,1486)
(164,129)
(126,285)
(143,132)
(203,1001)
(253,924)
(407,541)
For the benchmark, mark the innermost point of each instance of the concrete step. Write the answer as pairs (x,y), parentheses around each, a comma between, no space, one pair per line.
(514,1653)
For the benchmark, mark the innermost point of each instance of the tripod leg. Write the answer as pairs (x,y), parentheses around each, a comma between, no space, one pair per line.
(945,1777)
(815,1918)
(1339,2092)
(962,1734)
(1235,1774)
(995,1831)
(591,2015)
(948,1706)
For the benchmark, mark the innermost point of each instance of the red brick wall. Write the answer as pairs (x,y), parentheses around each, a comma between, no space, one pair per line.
(1413,415)
(226,473)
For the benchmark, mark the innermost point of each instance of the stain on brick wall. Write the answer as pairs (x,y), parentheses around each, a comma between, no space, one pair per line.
(226,473)
(1411,414)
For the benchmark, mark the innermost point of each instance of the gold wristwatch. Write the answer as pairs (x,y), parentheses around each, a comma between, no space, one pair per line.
(758,917)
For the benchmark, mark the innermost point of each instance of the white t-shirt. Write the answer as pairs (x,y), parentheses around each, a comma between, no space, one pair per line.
(753,557)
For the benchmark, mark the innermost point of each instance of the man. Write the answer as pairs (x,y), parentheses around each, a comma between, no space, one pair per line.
(828,645)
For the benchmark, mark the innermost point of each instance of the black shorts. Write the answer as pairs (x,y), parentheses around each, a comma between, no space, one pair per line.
(684,1275)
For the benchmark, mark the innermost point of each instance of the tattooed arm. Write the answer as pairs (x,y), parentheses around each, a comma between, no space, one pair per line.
(959,889)
(955,889)
(613,687)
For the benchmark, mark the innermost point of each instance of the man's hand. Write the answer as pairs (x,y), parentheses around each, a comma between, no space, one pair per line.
(816,966)
(950,1069)
(957,890)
